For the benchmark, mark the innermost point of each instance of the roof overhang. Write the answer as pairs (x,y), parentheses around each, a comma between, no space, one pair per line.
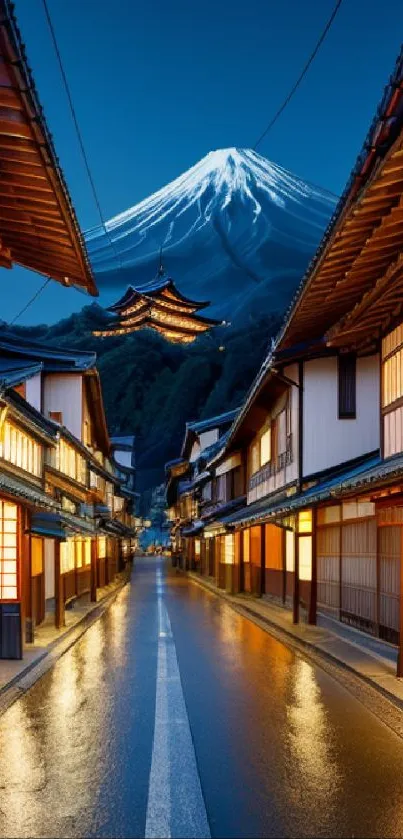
(38,225)
(353,287)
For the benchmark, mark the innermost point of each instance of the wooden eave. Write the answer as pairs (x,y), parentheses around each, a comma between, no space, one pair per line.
(350,269)
(38,225)
(365,239)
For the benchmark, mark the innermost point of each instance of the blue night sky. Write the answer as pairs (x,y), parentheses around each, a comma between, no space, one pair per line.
(159,83)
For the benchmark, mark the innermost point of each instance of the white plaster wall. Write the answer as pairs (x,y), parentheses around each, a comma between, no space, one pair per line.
(327,440)
(49,556)
(64,393)
(33,391)
(208,438)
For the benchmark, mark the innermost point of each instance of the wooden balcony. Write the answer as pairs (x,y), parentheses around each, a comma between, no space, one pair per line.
(273,467)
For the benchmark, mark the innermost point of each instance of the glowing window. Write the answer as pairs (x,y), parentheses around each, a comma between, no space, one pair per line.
(87,552)
(21,450)
(101,547)
(229,549)
(197,547)
(265,447)
(289,551)
(67,556)
(79,553)
(305,557)
(305,521)
(246,545)
(36,556)
(8,551)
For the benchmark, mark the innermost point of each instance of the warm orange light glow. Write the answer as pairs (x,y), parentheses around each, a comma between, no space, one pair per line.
(20,449)
(8,551)
(305,521)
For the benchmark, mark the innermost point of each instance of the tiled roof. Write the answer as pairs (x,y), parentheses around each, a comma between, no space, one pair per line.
(52,358)
(24,491)
(199,426)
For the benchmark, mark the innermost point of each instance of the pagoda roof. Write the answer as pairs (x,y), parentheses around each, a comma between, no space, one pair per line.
(38,225)
(154,289)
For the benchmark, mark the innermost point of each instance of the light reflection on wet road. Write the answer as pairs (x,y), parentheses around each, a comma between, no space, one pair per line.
(282,749)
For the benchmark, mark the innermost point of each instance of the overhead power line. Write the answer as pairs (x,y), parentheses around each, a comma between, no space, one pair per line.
(32,300)
(300,77)
(78,130)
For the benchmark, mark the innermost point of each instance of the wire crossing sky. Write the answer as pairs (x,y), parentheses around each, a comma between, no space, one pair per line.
(157,85)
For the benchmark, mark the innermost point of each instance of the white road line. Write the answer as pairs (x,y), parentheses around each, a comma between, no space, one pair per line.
(175,806)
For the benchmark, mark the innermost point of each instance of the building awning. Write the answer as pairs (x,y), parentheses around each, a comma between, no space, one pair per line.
(195,529)
(223,510)
(272,508)
(114,527)
(60,525)
(26,493)
(47,524)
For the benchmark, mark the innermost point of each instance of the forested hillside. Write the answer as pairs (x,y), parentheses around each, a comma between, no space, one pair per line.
(151,387)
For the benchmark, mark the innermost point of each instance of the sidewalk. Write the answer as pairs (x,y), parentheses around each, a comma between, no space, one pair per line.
(17,676)
(370,659)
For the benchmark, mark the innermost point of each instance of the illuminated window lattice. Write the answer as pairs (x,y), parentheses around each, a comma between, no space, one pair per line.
(8,551)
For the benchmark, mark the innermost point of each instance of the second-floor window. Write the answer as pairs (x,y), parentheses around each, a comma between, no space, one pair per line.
(67,460)
(265,447)
(273,445)
(347,386)
(21,450)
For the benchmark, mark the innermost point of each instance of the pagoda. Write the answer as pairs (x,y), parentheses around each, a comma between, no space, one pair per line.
(159,305)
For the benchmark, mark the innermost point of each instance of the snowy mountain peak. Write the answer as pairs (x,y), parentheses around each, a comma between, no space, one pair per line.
(233,215)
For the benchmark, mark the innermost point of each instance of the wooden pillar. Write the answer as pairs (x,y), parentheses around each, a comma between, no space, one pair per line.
(28,623)
(59,589)
(314,578)
(93,593)
(295,611)
(399,669)
(378,577)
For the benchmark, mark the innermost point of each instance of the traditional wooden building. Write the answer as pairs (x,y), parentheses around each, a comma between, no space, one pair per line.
(321,428)
(200,491)
(159,305)
(74,514)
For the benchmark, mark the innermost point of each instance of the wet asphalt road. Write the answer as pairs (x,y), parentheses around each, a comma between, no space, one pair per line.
(250,741)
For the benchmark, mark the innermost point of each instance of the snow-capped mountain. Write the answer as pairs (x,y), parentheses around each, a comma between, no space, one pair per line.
(235,229)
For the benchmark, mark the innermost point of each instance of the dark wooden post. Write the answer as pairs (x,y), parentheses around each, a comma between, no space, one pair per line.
(399,671)
(295,611)
(93,594)
(314,577)
(378,577)
(59,592)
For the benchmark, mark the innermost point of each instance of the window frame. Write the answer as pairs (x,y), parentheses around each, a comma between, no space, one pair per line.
(346,367)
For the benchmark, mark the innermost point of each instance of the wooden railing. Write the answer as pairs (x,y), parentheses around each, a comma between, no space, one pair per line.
(269,469)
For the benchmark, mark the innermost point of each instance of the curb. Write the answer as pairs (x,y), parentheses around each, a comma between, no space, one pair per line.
(23,681)
(300,644)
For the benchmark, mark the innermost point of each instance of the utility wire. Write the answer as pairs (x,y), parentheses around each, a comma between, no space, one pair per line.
(301,76)
(32,300)
(78,130)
